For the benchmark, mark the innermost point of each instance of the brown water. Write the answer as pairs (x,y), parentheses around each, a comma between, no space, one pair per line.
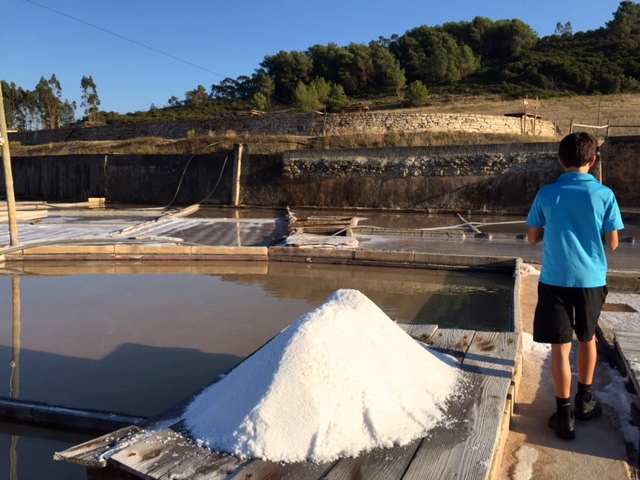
(137,339)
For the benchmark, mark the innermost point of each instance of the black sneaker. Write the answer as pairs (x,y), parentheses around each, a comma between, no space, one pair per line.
(564,427)
(587,410)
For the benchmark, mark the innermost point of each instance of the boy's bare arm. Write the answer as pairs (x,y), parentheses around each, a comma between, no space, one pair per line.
(611,239)
(535,235)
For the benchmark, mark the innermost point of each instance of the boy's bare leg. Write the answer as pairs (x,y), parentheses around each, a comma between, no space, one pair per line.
(561,369)
(587,358)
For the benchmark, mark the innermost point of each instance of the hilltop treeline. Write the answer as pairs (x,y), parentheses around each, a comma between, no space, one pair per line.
(504,57)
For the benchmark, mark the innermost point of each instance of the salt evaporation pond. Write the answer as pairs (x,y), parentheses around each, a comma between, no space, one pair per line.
(93,336)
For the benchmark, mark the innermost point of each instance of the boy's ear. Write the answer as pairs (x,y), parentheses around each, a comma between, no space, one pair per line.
(593,161)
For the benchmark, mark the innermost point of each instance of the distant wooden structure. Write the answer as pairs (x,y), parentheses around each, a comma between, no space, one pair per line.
(468,446)
(328,225)
(248,113)
(530,109)
(529,115)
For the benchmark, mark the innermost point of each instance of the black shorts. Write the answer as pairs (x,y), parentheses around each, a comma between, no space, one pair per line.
(562,310)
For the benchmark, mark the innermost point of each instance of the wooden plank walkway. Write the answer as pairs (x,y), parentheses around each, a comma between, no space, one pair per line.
(466,447)
(628,344)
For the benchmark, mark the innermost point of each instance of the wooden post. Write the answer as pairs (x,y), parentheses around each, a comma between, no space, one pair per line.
(8,178)
(237,168)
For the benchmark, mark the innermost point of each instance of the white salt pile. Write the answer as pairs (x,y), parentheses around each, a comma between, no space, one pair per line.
(342,379)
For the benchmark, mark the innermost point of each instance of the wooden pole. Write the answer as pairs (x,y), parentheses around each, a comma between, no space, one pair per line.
(237,170)
(8,178)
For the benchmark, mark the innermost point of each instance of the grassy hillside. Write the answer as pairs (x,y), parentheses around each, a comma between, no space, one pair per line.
(616,110)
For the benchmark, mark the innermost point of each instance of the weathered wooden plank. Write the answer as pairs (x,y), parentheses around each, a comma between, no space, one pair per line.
(90,454)
(492,355)
(465,447)
(628,344)
(210,466)
(263,470)
(422,333)
(379,464)
(156,454)
(454,342)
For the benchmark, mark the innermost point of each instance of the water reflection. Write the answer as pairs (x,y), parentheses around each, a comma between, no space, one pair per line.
(14,389)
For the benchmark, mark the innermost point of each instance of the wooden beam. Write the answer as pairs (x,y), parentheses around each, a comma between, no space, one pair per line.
(63,418)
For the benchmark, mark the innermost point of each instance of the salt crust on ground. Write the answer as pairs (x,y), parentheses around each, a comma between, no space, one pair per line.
(341,380)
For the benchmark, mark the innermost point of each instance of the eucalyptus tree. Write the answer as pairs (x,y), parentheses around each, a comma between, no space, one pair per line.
(48,102)
(90,99)
(68,113)
(196,97)
(10,99)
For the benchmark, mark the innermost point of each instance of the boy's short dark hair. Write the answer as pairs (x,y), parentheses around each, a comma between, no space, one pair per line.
(577,149)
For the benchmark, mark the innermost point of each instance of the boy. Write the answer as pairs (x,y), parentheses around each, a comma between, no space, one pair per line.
(578,216)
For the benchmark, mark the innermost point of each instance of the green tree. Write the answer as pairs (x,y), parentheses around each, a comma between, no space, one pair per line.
(322,89)
(287,69)
(305,99)
(396,79)
(260,101)
(417,94)
(68,113)
(25,110)
(48,102)
(388,76)
(433,56)
(267,87)
(10,99)
(328,60)
(196,97)
(626,20)
(566,29)
(337,98)
(90,99)
(499,41)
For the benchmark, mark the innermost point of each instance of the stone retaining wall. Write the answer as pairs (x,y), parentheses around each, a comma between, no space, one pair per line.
(500,178)
(621,168)
(304,125)
(490,178)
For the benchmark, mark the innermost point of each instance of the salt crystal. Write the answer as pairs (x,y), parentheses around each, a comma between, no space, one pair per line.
(341,380)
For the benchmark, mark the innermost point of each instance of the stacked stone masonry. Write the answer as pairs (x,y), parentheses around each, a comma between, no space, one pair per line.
(313,125)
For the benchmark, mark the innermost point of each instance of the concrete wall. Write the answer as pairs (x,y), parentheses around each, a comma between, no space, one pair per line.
(497,178)
(303,125)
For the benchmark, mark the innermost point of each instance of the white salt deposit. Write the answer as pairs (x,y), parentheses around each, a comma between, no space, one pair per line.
(341,380)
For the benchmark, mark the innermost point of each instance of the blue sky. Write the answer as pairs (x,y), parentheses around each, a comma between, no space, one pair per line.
(142,52)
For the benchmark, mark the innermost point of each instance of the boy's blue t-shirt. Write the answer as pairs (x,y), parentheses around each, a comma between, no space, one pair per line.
(575,211)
